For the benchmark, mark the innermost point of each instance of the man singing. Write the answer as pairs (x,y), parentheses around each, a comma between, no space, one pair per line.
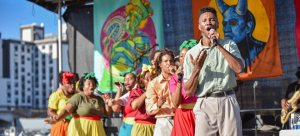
(158,99)
(211,77)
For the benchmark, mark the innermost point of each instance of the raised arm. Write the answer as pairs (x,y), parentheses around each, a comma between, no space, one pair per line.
(190,86)
(175,85)
(118,103)
(138,102)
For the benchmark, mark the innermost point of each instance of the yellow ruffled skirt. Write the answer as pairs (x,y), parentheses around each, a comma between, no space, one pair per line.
(85,127)
(142,129)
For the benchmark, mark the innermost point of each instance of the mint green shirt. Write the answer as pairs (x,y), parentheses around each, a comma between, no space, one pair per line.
(216,74)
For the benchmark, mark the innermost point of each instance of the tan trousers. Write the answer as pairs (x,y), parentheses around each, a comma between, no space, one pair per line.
(215,114)
(163,127)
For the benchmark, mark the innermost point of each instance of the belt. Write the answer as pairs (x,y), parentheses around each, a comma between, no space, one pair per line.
(220,94)
(170,117)
(187,105)
(129,120)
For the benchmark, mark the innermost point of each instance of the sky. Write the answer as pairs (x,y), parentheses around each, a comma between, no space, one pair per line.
(14,13)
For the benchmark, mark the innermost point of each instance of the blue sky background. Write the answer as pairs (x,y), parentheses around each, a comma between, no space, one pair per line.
(14,13)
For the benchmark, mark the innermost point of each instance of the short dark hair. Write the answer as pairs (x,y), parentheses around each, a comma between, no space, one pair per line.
(153,55)
(164,51)
(207,9)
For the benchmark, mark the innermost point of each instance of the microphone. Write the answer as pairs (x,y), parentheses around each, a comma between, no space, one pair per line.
(213,38)
(179,75)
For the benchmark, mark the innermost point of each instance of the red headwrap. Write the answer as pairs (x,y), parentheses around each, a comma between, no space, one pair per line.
(66,77)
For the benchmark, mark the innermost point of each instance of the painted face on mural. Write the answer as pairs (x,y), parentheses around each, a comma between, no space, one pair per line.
(235,26)
(207,21)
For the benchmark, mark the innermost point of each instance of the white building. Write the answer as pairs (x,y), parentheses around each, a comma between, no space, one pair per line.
(29,68)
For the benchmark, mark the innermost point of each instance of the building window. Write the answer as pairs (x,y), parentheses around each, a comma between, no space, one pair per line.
(50,92)
(50,47)
(8,99)
(44,85)
(50,70)
(36,49)
(16,84)
(23,94)
(28,81)
(28,49)
(43,56)
(37,79)
(36,84)
(22,48)
(16,75)
(23,55)
(36,92)
(50,61)
(16,47)
(23,78)
(23,62)
(36,55)
(36,71)
(8,94)
(28,89)
(28,59)
(28,74)
(23,86)
(37,102)
(36,63)
(23,69)
(8,85)
(43,47)
(23,100)
(44,93)
(44,71)
(16,92)
(51,77)
(28,99)
(16,61)
(44,77)
(16,101)
(50,55)
(16,53)
(44,64)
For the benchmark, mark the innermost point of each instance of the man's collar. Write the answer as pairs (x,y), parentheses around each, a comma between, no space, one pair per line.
(161,78)
(202,46)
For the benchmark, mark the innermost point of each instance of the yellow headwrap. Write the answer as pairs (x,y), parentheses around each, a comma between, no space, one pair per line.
(147,68)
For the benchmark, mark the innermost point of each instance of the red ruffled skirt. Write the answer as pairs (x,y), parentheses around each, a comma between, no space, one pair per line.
(184,122)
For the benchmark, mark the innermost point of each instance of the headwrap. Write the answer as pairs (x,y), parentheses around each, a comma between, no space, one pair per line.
(147,68)
(89,75)
(76,85)
(129,70)
(188,44)
(66,77)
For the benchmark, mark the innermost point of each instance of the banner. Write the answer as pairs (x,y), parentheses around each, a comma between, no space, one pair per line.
(251,24)
(125,35)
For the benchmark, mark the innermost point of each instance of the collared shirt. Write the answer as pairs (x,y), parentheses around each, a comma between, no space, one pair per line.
(156,88)
(216,74)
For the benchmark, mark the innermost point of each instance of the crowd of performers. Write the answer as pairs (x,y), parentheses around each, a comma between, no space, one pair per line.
(193,97)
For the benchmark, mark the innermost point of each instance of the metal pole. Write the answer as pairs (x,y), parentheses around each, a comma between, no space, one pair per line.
(255,84)
(59,38)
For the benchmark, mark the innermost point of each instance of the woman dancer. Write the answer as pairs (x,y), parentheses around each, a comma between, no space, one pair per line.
(145,123)
(58,101)
(87,110)
(128,113)
(184,119)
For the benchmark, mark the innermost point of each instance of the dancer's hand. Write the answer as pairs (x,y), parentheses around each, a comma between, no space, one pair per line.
(284,104)
(51,120)
(119,86)
(199,61)
(161,101)
(106,97)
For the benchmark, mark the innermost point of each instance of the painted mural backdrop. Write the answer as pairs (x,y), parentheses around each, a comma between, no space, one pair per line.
(251,24)
(129,31)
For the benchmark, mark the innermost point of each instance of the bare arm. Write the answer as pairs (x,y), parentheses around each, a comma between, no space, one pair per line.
(138,102)
(235,63)
(190,86)
(65,112)
(176,97)
(51,112)
(118,107)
